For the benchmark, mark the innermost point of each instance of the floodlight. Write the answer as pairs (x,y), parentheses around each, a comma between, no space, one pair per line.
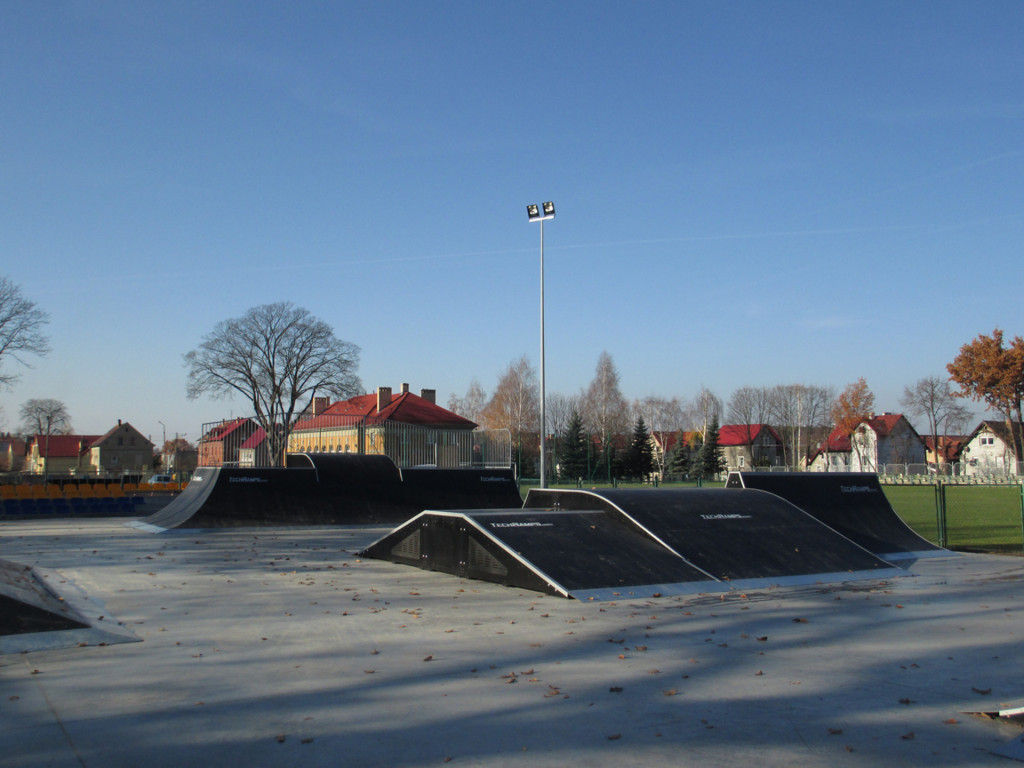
(540,213)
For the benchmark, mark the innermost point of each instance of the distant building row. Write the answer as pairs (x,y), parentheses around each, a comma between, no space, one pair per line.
(878,441)
(411,429)
(122,450)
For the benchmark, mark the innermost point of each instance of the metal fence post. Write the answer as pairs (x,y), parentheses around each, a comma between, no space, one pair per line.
(940,511)
(1020,485)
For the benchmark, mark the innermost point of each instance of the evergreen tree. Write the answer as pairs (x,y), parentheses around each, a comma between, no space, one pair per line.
(640,455)
(710,461)
(572,453)
(679,458)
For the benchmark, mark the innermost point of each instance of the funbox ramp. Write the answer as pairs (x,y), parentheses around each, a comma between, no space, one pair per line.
(328,489)
(601,545)
(852,503)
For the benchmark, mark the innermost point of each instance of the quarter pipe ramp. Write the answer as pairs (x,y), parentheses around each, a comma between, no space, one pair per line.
(852,503)
(328,489)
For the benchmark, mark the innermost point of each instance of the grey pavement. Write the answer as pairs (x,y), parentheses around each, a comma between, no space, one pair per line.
(280,647)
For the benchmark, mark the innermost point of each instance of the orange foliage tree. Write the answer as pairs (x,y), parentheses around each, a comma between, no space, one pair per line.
(991,372)
(854,404)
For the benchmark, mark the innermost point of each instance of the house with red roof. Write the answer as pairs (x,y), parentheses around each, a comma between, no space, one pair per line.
(411,429)
(221,443)
(58,454)
(950,448)
(255,451)
(122,449)
(877,441)
(747,446)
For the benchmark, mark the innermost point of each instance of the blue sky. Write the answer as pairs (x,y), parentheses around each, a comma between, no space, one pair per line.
(747,193)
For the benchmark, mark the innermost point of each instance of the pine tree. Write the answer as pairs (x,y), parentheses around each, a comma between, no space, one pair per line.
(679,458)
(710,461)
(640,460)
(572,453)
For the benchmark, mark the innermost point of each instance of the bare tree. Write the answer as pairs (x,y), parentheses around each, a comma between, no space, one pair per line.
(559,411)
(472,405)
(558,414)
(515,404)
(277,356)
(605,411)
(21,328)
(662,414)
(750,406)
(707,407)
(604,408)
(44,417)
(934,400)
(800,412)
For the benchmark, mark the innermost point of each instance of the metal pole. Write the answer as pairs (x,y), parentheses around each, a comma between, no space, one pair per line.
(543,429)
(1021,486)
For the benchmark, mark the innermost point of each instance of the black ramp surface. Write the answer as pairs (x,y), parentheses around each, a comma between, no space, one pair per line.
(730,534)
(587,549)
(852,503)
(558,552)
(329,489)
(318,489)
(429,488)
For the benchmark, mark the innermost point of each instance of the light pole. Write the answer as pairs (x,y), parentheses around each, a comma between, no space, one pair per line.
(541,214)
(163,447)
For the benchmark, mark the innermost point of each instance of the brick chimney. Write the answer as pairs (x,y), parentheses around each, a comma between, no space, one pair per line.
(405,388)
(430,395)
(383,398)
(320,405)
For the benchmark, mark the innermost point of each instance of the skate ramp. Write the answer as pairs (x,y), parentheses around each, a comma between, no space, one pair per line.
(599,545)
(327,489)
(853,504)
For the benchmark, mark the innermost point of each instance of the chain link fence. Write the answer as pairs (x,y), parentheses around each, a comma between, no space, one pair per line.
(986,517)
(961,473)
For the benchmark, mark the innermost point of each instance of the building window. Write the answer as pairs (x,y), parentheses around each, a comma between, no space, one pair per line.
(743,461)
(988,440)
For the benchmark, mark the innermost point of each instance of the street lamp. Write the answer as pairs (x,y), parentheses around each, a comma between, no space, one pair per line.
(163,445)
(541,214)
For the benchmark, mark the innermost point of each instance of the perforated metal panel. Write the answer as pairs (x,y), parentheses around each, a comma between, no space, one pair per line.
(409,547)
(481,560)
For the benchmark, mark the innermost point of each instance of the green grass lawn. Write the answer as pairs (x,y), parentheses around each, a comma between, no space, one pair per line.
(979,517)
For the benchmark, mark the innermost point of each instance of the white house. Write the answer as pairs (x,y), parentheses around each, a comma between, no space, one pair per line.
(989,451)
(878,440)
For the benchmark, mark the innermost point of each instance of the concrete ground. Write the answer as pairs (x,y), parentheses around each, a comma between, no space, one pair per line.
(280,647)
